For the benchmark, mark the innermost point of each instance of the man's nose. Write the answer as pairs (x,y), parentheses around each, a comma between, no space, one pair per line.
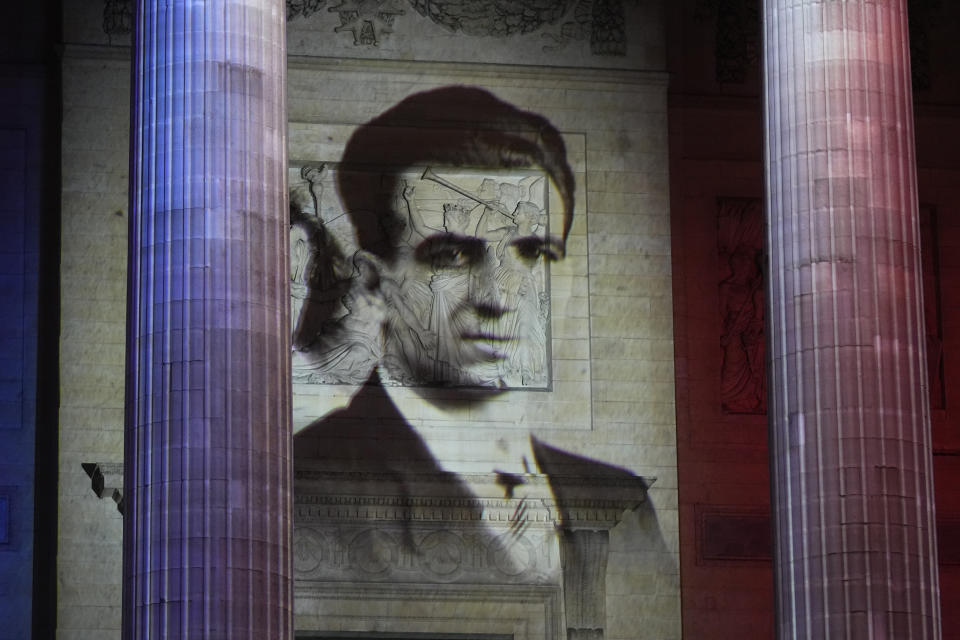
(486,292)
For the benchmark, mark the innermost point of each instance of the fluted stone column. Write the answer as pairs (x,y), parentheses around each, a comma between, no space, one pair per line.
(849,415)
(207,522)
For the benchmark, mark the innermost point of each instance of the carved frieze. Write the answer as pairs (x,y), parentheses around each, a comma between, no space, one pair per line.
(490,18)
(369,22)
(438,531)
(391,554)
(435,533)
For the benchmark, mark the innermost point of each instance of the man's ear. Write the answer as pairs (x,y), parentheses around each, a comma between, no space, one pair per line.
(371,269)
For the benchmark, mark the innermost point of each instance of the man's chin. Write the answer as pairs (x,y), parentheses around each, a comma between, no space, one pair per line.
(477,380)
(461,394)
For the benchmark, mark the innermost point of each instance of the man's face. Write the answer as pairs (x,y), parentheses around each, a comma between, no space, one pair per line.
(467,303)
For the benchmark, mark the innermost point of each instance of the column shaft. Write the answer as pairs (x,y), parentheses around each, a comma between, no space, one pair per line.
(850,447)
(207,523)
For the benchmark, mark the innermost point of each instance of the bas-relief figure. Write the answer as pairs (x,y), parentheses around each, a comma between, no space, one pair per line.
(477,235)
(930,257)
(740,252)
(740,249)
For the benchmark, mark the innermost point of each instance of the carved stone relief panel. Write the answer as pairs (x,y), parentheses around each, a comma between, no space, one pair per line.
(740,258)
(601,22)
(732,534)
(117,17)
(403,292)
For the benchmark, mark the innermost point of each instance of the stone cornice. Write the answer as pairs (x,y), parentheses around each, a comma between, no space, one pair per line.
(569,502)
(460,72)
(443,72)
(330,497)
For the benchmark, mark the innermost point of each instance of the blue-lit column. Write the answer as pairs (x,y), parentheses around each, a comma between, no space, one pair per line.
(207,514)
(850,448)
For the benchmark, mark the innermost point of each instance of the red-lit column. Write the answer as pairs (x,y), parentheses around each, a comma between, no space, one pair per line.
(207,513)
(849,416)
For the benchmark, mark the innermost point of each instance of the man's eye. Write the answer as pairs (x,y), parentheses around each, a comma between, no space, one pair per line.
(449,251)
(448,258)
(534,248)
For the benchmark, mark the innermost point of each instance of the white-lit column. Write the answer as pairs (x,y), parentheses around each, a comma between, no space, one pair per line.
(207,522)
(849,416)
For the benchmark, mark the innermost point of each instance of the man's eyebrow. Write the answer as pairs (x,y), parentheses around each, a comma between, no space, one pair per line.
(446,237)
(551,245)
(470,244)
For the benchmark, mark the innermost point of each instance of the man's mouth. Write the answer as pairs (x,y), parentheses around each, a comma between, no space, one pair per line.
(491,345)
(485,337)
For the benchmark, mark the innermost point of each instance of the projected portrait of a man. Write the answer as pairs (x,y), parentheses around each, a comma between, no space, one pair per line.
(421,365)
(443,237)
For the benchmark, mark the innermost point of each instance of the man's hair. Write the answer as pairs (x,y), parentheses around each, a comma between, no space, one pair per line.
(453,126)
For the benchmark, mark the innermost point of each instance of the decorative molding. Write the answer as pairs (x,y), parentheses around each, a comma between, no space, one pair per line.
(444,610)
(594,503)
(451,538)
(546,77)
(322,495)
(445,528)
(424,554)
(106,479)
(369,21)
(621,80)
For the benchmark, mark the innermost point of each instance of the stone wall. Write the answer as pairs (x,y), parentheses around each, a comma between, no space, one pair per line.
(93,305)
(610,404)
